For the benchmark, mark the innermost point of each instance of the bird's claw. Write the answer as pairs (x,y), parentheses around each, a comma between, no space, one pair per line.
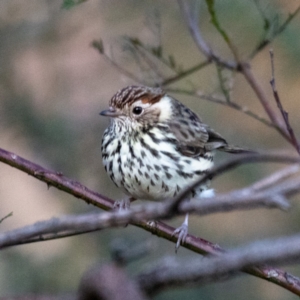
(182,232)
(123,204)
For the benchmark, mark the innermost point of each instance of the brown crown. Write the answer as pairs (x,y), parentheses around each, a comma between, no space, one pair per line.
(130,94)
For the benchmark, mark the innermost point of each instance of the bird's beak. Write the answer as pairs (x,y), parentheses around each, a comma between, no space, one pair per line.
(111,112)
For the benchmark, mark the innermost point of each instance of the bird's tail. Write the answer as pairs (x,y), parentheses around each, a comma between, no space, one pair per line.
(236,150)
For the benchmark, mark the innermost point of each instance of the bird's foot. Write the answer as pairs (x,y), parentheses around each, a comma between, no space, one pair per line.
(123,204)
(182,232)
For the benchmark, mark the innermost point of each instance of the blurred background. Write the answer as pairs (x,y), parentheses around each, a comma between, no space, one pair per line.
(53,83)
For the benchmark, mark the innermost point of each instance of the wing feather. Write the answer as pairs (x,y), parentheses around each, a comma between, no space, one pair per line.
(193,136)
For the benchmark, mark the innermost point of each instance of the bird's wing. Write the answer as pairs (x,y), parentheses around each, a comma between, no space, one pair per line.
(194,137)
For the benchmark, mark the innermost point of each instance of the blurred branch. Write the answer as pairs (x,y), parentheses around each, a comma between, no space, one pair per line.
(261,95)
(277,31)
(191,19)
(171,273)
(98,45)
(41,297)
(185,73)
(231,104)
(229,165)
(243,67)
(284,114)
(109,282)
(273,179)
(225,90)
(214,20)
(160,229)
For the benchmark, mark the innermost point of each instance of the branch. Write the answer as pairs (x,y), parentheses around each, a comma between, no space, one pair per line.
(231,104)
(262,97)
(229,165)
(98,45)
(70,225)
(170,273)
(185,73)
(109,282)
(192,23)
(266,41)
(284,114)
(56,179)
(273,179)
(160,229)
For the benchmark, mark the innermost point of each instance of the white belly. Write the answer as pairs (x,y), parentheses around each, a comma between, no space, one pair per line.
(155,171)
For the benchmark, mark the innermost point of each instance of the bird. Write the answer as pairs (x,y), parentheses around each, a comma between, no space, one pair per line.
(155,147)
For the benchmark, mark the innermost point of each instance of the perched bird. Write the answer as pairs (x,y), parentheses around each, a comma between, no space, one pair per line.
(155,147)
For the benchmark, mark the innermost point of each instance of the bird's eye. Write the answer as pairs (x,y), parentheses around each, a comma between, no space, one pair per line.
(137,110)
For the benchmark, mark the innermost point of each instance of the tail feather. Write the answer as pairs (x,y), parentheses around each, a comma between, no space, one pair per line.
(236,150)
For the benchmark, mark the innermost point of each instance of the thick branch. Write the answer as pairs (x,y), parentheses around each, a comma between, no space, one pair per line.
(197,245)
(278,251)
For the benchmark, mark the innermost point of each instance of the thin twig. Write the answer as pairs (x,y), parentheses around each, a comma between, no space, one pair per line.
(231,104)
(284,114)
(184,73)
(211,9)
(98,45)
(261,95)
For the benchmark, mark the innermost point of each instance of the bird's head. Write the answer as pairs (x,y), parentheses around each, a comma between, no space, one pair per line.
(139,106)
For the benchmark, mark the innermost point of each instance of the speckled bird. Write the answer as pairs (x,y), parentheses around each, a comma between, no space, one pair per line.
(155,147)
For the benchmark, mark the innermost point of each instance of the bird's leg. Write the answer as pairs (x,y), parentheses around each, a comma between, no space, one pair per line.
(182,232)
(123,204)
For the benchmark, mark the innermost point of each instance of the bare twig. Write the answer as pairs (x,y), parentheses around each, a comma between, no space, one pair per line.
(261,95)
(229,165)
(273,179)
(63,296)
(284,114)
(185,73)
